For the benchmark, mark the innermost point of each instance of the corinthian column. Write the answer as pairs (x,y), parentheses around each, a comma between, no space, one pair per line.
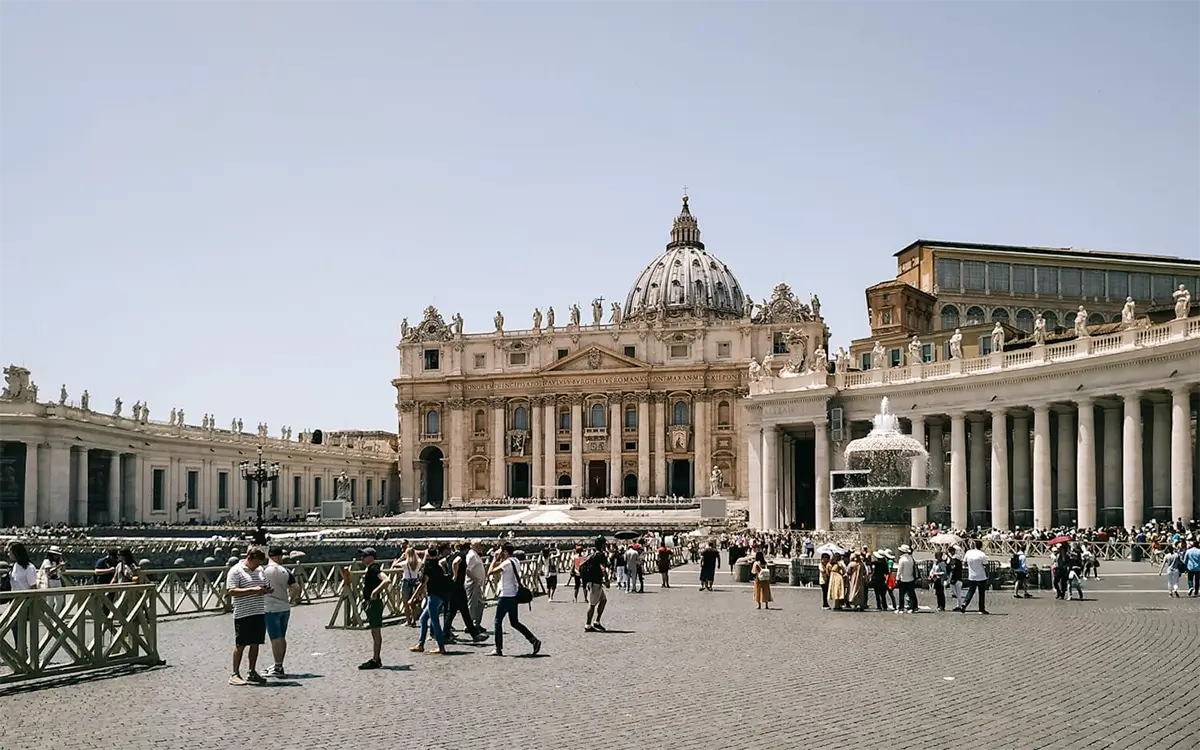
(643,445)
(821,473)
(614,445)
(1085,463)
(1160,454)
(537,443)
(771,477)
(702,466)
(1181,453)
(1042,501)
(498,438)
(550,446)
(577,478)
(1066,466)
(1111,471)
(919,470)
(1131,447)
(1001,505)
(1022,491)
(958,471)
(660,445)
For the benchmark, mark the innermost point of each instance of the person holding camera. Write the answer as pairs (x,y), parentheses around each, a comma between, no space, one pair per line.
(247,589)
(508,567)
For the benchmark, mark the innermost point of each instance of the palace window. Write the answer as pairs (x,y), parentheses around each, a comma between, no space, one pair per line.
(680,351)
(999,275)
(1025,320)
(1047,280)
(1070,282)
(999,315)
(564,419)
(316,492)
(480,361)
(778,344)
(223,490)
(865,361)
(251,493)
(974,316)
(160,490)
(974,275)
(680,413)
(630,351)
(926,352)
(297,490)
(724,414)
(1096,319)
(985,345)
(368,498)
(1118,285)
(517,358)
(630,417)
(949,318)
(193,489)
(1163,288)
(432,422)
(1022,279)
(1139,287)
(596,416)
(894,358)
(562,353)
(520,418)
(1051,320)
(949,274)
(480,422)
(433,359)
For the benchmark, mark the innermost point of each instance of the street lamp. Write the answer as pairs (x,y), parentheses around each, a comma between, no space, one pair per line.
(261,473)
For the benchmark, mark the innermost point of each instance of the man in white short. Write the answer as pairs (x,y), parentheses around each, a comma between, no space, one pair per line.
(975,561)
(278,605)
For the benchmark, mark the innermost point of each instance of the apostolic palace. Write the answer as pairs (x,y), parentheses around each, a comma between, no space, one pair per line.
(1051,386)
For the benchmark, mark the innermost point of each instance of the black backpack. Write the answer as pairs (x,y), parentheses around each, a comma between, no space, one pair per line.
(5,581)
(589,571)
(1014,562)
(1180,562)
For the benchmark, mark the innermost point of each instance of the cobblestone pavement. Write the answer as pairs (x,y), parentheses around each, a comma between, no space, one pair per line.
(682,668)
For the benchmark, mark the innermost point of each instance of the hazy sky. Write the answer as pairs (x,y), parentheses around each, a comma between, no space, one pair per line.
(229,206)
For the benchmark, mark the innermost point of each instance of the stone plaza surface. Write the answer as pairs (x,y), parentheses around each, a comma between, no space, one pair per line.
(681,668)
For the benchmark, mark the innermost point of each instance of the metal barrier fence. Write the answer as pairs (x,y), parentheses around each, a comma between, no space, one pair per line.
(63,631)
(1123,550)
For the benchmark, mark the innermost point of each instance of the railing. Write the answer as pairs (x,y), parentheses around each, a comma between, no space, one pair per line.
(1117,550)
(64,631)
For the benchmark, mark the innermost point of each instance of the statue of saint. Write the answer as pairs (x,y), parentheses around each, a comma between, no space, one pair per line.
(615,318)
(820,360)
(117,407)
(877,355)
(458,324)
(404,328)
(1081,316)
(716,481)
(816,306)
(841,361)
(1039,330)
(180,419)
(914,351)
(1183,302)
(1128,312)
(171,421)
(748,308)
(83,400)
(575,314)
(499,321)
(62,395)
(756,370)
(998,337)
(537,319)
(597,312)
(956,344)
(550,318)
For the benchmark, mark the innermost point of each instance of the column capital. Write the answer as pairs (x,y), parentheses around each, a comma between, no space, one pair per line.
(821,422)
(999,412)
(957,415)
(915,418)
(771,428)
(1128,396)
(1084,401)
(1182,390)
(1041,408)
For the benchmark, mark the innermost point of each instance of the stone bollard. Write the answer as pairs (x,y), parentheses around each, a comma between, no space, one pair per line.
(796,572)
(741,570)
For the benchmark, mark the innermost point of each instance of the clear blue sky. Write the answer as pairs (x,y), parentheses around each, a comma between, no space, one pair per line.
(229,206)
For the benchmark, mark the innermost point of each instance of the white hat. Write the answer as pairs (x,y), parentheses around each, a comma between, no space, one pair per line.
(888,554)
(905,548)
(54,550)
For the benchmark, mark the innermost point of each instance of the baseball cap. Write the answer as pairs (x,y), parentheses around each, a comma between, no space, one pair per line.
(275,552)
(366,552)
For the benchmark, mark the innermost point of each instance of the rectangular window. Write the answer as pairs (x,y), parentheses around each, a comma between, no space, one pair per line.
(193,490)
(274,492)
(367,496)
(251,493)
(926,352)
(630,351)
(949,274)
(564,420)
(1139,287)
(974,275)
(160,490)
(297,489)
(1118,285)
(630,446)
(885,316)
(433,359)
(1022,279)
(480,361)
(894,357)
(1070,281)
(1162,290)
(517,358)
(778,344)
(865,362)
(353,490)
(316,492)
(223,490)
(985,345)
(724,349)
(999,275)
(562,354)
(680,351)
(631,418)
(945,351)
(1093,284)
(564,447)
(1047,280)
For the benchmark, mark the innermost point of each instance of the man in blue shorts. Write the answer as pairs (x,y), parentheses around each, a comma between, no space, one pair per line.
(285,592)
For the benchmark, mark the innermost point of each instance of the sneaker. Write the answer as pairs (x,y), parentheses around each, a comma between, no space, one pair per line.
(599,627)
(592,629)
(255,677)
(438,651)
(276,671)
(417,649)
(237,679)
(371,664)
(537,646)
(496,652)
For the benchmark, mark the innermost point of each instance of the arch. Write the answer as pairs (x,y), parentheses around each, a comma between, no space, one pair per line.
(631,421)
(949,317)
(480,421)
(975,315)
(1069,319)
(1096,319)
(564,486)
(724,414)
(1051,320)
(1025,320)
(1116,318)
(433,423)
(629,486)
(596,418)
(680,414)
(1000,315)
(432,476)
(520,418)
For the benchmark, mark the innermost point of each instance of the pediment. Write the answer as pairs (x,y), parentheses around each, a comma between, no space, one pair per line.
(594,358)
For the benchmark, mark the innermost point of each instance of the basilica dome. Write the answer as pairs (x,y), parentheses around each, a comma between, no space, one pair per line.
(685,278)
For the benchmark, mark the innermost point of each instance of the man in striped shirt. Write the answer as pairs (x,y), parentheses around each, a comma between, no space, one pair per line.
(247,590)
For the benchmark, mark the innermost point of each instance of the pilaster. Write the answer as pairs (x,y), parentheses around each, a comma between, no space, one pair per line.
(614,446)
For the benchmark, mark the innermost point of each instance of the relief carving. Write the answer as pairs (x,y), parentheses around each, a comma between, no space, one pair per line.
(783,307)
(431,328)
(679,437)
(406,406)
(596,445)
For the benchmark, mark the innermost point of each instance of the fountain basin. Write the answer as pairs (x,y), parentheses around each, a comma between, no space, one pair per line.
(880,504)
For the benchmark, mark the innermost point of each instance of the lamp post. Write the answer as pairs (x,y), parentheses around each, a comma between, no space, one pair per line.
(261,473)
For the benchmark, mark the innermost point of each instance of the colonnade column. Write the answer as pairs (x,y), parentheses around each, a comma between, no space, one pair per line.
(920,470)
(1022,497)
(114,487)
(754,473)
(1001,505)
(702,466)
(550,446)
(498,483)
(937,467)
(643,442)
(409,484)
(577,479)
(1160,454)
(537,445)
(1181,454)
(31,484)
(958,471)
(1085,464)
(977,496)
(660,445)
(614,446)
(1066,467)
(787,485)
(1131,446)
(770,477)
(1111,471)
(821,473)
(1041,467)
(460,449)
(79,509)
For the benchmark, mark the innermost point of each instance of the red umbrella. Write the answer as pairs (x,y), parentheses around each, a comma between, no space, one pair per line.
(1064,539)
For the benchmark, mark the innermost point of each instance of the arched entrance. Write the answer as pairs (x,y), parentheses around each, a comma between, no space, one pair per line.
(433,476)
(564,486)
(597,479)
(629,485)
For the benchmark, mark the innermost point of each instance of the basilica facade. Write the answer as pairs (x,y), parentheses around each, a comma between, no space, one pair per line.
(637,400)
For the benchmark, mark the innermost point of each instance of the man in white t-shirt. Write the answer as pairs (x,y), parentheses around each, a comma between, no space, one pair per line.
(975,561)
(278,605)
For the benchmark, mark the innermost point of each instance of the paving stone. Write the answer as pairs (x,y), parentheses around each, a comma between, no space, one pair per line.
(695,670)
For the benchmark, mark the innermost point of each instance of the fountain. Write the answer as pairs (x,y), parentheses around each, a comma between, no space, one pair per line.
(873,498)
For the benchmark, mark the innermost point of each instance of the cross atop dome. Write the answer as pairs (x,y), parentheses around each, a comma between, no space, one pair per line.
(686,231)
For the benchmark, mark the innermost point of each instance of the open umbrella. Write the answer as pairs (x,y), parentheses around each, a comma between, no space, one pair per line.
(945,539)
(627,535)
(830,549)
(1064,539)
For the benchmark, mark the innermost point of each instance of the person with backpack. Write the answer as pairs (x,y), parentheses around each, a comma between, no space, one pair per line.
(508,568)
(1020,570)
(593,572)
